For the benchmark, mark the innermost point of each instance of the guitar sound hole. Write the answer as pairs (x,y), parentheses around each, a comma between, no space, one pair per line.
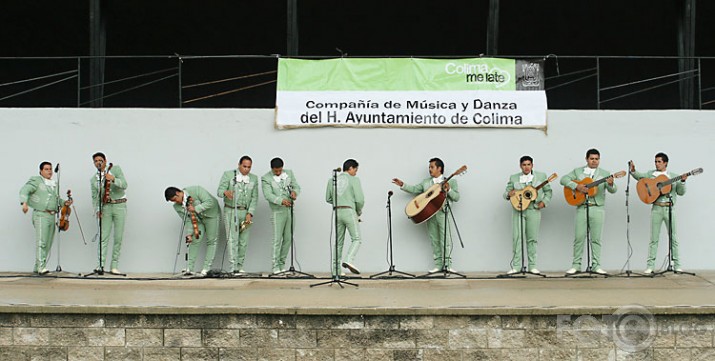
(429,194)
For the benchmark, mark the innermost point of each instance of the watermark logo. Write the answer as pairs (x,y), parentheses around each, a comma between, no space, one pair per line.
(631,328)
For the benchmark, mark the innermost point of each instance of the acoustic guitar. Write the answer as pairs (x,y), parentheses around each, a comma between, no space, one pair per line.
(427,204)
(650,189)
(528,194)
(576,198)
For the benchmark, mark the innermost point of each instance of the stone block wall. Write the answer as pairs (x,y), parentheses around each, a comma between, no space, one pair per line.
(90,337)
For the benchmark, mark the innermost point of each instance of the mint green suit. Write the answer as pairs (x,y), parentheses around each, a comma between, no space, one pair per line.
(531,218)
(245,200)
(659,215)
(113,215)
(208,215)
(596,213)
(275,192)
(436,224)
(350,201)
(44,203)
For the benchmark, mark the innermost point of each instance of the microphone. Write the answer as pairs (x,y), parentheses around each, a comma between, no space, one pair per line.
(57,167)
(389,194)
(338,169)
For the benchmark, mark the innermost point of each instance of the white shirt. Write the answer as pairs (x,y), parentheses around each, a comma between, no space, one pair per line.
(439,179)
(657,174)
(589,172)
(49,182)
(279,178)
(526,178)
(240,178)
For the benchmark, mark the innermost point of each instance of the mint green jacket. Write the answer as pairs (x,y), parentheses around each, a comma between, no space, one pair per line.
(543,195)
(205,204)
(677,189)
(276,192)
(577,174)
(117,189)
(39,196)
(246,194)
(349,192)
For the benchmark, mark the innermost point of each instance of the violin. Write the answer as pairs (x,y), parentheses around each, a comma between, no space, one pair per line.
(65,214)
(107,184)
(194,221)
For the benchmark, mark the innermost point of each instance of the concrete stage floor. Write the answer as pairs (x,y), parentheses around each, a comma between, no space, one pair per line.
(480,294)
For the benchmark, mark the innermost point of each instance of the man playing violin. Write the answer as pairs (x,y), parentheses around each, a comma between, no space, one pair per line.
(280,189)
(436,224)
(531,215)
(659,211)
(596,210)
(204,209)
(41,194)
(109,188)
(239,189)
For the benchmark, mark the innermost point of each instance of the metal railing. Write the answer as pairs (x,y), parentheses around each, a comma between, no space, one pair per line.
(248,81)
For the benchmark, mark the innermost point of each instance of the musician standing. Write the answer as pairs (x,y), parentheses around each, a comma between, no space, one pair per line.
(531,218)
(659,211)
(41,194)
(350,201)
(436,224)
(206,210)
(596,209)
(113,211)
(280,190)
(239,190)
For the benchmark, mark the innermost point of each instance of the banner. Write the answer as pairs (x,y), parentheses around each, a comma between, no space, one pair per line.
(414,93)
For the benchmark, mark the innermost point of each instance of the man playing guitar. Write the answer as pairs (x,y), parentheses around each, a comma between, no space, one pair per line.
(659,212)
(596,209)
(436,224)
(531,211)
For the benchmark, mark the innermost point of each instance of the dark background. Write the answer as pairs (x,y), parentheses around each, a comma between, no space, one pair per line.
(198,28)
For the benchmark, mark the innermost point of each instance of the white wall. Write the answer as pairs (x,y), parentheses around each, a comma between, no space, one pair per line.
(158,148)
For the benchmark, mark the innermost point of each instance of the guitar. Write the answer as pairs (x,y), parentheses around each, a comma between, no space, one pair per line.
(528,194)
(650,189)
(576,198)
(426,205)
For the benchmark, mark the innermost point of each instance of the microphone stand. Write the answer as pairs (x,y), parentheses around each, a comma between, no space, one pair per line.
(99,271)
(336,267)
(629,249)
(445,271)
(178,247)
(670,242)
(391,270)
(292,272)
(522,235)
(589,272)
(57,219)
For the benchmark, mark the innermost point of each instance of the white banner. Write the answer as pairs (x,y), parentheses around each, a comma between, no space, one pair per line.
(411,109)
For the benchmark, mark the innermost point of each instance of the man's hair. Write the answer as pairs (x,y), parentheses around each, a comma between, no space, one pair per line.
(350,163)
(99,154)
(42,165)
(438,162)
(592,151)
(170,192)
(526,157)
(276,163)
(245,157)
(662,156)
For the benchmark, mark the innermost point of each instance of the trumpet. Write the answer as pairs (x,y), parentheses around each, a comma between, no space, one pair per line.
(245,225)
